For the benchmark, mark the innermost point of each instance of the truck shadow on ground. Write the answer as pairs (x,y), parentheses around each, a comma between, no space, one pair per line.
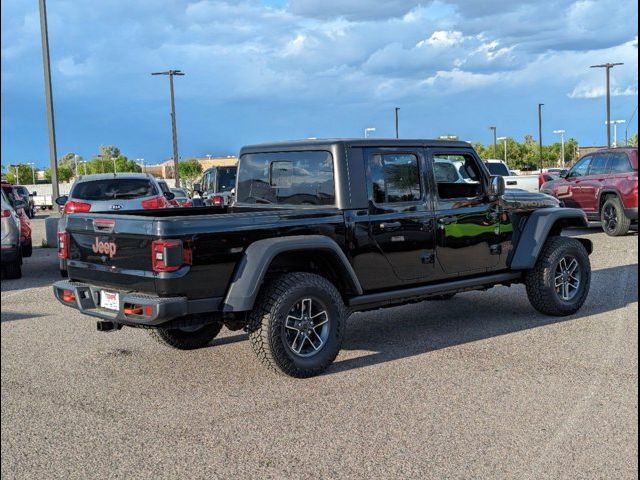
(433,325)
(39,270)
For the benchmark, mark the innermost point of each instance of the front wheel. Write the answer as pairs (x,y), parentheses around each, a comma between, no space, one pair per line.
(187,338)
(614,222)
(559,283)
(298,324)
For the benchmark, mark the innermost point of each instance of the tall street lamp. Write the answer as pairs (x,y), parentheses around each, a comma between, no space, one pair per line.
(397,123)
(540,105)
(626,130)
(561,133)
(33,172)
(368,130)
(495,141)
(141,163)
(615,124)
(174,132)
(608,67)
(48,95)
(504,139)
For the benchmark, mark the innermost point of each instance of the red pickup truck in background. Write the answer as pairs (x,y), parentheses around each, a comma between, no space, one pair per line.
(605,185)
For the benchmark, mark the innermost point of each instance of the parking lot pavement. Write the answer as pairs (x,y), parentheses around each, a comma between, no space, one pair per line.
(480,386)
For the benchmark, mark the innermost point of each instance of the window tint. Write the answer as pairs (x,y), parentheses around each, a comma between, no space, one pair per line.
(457,176)
(395,178)
(286,178)
(226,178)
(112,188)
(619,163)
(497,169)
(164,187)
(599,164)
(581,168)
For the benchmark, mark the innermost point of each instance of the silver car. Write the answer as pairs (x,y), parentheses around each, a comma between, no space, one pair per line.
(109,192)
(11,248)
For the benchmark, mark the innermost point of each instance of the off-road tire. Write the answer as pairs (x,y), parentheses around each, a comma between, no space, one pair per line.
(27,249)
(540,281)
(623,223)
(186,340)
(267,320)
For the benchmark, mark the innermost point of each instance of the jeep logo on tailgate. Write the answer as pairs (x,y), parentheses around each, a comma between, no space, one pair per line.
(109,248)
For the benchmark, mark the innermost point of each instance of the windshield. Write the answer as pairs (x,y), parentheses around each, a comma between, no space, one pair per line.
(286,178)
(113,188)
(226,179)
(497,169)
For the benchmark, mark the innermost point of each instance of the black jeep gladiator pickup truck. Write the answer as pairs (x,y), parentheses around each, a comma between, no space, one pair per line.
(320,229)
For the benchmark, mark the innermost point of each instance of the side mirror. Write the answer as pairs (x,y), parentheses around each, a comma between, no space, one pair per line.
(62,200)
(197,187)
(169,195)
(496,186)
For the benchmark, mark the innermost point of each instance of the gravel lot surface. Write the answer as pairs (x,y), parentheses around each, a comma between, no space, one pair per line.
(480,386)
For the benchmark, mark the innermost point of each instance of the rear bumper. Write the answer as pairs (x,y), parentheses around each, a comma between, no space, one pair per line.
(631,213)
(10,254)
(86,299)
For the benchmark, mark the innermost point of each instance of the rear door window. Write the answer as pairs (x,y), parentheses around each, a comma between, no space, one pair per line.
(395,178)
(110,189)
(497,169)
(599,164)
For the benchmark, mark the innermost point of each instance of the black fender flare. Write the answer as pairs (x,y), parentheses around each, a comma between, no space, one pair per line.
(604,192)
(247,279)
(536,230)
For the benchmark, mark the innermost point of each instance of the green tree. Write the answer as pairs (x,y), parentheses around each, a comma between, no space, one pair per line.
(65,173)
(633,141)
(25,174)
(189,171)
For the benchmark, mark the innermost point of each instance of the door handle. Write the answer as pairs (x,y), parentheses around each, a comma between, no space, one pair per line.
(447,220)
(390,225)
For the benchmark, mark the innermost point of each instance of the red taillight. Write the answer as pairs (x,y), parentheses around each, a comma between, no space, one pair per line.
(169,255)
(76,207)
(6,213)
(188,203)
(68,296)
(155,202)
(63,245)
(217,200)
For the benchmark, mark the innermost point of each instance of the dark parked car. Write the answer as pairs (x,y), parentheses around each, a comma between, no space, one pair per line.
(11,247)
(320,229)
(28,198)
(605,185)
(216,186)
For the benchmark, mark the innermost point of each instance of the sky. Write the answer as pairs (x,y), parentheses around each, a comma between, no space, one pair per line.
(271,70)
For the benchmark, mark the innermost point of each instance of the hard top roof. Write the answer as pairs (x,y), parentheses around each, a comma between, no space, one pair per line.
(321,143)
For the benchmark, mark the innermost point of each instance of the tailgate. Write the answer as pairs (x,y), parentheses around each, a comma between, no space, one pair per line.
(112,250)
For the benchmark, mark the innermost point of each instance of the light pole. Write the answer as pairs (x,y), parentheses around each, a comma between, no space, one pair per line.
(608,67)
(504,139)
(561,133)
(141,163)
(76,157)
(368,130)
(495,141)
(540,105)
(626,130)
(174,132)
(397,123)
(33,172)
(113,159)
(615,124)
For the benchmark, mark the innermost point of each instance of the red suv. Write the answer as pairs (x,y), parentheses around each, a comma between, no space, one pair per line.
(605,185)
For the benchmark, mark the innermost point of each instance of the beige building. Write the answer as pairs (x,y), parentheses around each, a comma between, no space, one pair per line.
(165,169)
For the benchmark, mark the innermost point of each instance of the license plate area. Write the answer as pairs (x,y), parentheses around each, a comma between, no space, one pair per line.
(110,300)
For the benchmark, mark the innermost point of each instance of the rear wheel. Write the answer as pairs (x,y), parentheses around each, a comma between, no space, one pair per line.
(559,283)
(614,222)
(187,338)
(298,324)
(13,270)
(27,249)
